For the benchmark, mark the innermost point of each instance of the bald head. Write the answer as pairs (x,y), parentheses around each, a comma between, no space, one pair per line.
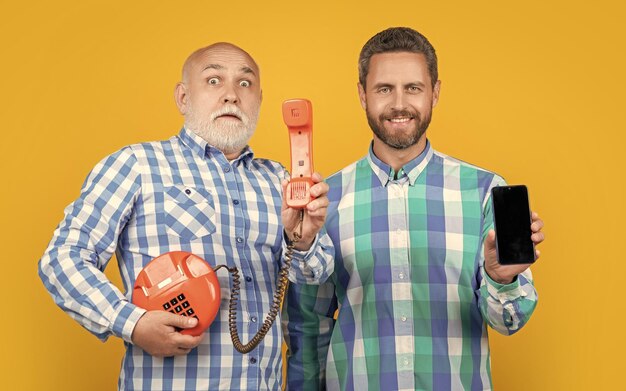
(197,61)
(220,96)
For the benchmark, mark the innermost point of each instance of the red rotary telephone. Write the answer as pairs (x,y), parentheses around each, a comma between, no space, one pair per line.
(181,283)
(184,284)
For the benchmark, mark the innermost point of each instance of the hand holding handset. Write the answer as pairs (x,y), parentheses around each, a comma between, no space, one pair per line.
(512,221)
(184,284)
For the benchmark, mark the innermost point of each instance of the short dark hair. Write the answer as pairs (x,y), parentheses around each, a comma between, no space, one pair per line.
(398,39)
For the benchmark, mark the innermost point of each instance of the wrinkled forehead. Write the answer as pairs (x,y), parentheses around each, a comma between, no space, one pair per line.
(221,56)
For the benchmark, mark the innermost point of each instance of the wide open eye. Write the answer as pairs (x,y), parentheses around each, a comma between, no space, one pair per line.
(214,81)
(245,83)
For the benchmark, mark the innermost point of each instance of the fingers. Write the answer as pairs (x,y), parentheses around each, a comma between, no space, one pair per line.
(536,226)
(183,341)
(319,189)
(537,223)
(156,333)
(317,207)
(317,177)
(537,237)
(186,342)
(182,322)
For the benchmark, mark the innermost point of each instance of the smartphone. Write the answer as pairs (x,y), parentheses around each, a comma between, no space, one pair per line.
(511,211)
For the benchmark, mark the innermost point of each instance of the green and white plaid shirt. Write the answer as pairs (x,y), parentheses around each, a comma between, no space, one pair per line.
(409,284)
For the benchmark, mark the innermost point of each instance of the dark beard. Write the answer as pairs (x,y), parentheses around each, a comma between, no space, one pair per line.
(399,142)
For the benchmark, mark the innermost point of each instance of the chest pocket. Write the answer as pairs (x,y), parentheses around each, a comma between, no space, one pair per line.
(189,212)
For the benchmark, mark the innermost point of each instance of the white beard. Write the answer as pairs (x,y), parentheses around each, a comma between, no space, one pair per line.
(228,136)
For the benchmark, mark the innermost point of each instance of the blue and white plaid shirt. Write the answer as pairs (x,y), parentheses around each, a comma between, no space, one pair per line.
(180,194)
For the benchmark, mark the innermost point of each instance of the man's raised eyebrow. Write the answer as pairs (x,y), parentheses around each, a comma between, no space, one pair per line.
(213,66)
(248,70)
(218,67)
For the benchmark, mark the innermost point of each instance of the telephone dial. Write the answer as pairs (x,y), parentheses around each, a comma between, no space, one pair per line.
(184,284)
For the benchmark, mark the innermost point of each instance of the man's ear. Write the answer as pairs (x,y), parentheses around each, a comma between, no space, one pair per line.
(180,96)
(436,90)
(362,96)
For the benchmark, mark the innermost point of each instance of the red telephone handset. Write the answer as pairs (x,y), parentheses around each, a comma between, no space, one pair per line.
(181,283)
(298,116)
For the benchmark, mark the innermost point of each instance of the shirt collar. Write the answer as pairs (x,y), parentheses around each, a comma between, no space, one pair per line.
(199,146)
(411,170)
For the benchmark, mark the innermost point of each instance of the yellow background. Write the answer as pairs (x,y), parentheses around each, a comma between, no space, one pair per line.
(533,90)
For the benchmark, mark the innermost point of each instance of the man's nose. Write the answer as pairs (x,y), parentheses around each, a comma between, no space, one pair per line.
(399,100)
(230,95)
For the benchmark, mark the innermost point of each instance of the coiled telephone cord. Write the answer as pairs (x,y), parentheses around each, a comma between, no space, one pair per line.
(281,288)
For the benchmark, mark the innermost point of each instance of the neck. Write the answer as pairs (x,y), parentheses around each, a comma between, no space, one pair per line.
(397,158)
(232,156)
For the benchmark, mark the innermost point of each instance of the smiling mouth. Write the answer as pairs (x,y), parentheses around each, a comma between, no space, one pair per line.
(399,120)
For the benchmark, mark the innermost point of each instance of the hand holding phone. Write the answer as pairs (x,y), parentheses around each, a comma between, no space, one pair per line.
(305,194)
(154,334)
(512,220)
(505,259)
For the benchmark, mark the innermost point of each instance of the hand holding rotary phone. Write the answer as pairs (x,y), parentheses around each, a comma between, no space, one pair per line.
(182,293)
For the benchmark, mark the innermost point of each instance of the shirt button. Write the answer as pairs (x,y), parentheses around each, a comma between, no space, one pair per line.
(406,361)
(253,360)
(253,319)
(399,231)
(236,202)
(248,278)
(401,276)
(403,318)
(187,191)
(239,239)
(227,169)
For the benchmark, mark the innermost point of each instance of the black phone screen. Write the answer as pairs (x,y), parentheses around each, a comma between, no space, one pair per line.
(512,224)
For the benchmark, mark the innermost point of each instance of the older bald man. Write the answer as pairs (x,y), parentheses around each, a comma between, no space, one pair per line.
(134,203)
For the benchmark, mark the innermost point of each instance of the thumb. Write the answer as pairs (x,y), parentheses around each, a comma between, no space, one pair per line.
(284,184)
(490,241)
(183,322)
